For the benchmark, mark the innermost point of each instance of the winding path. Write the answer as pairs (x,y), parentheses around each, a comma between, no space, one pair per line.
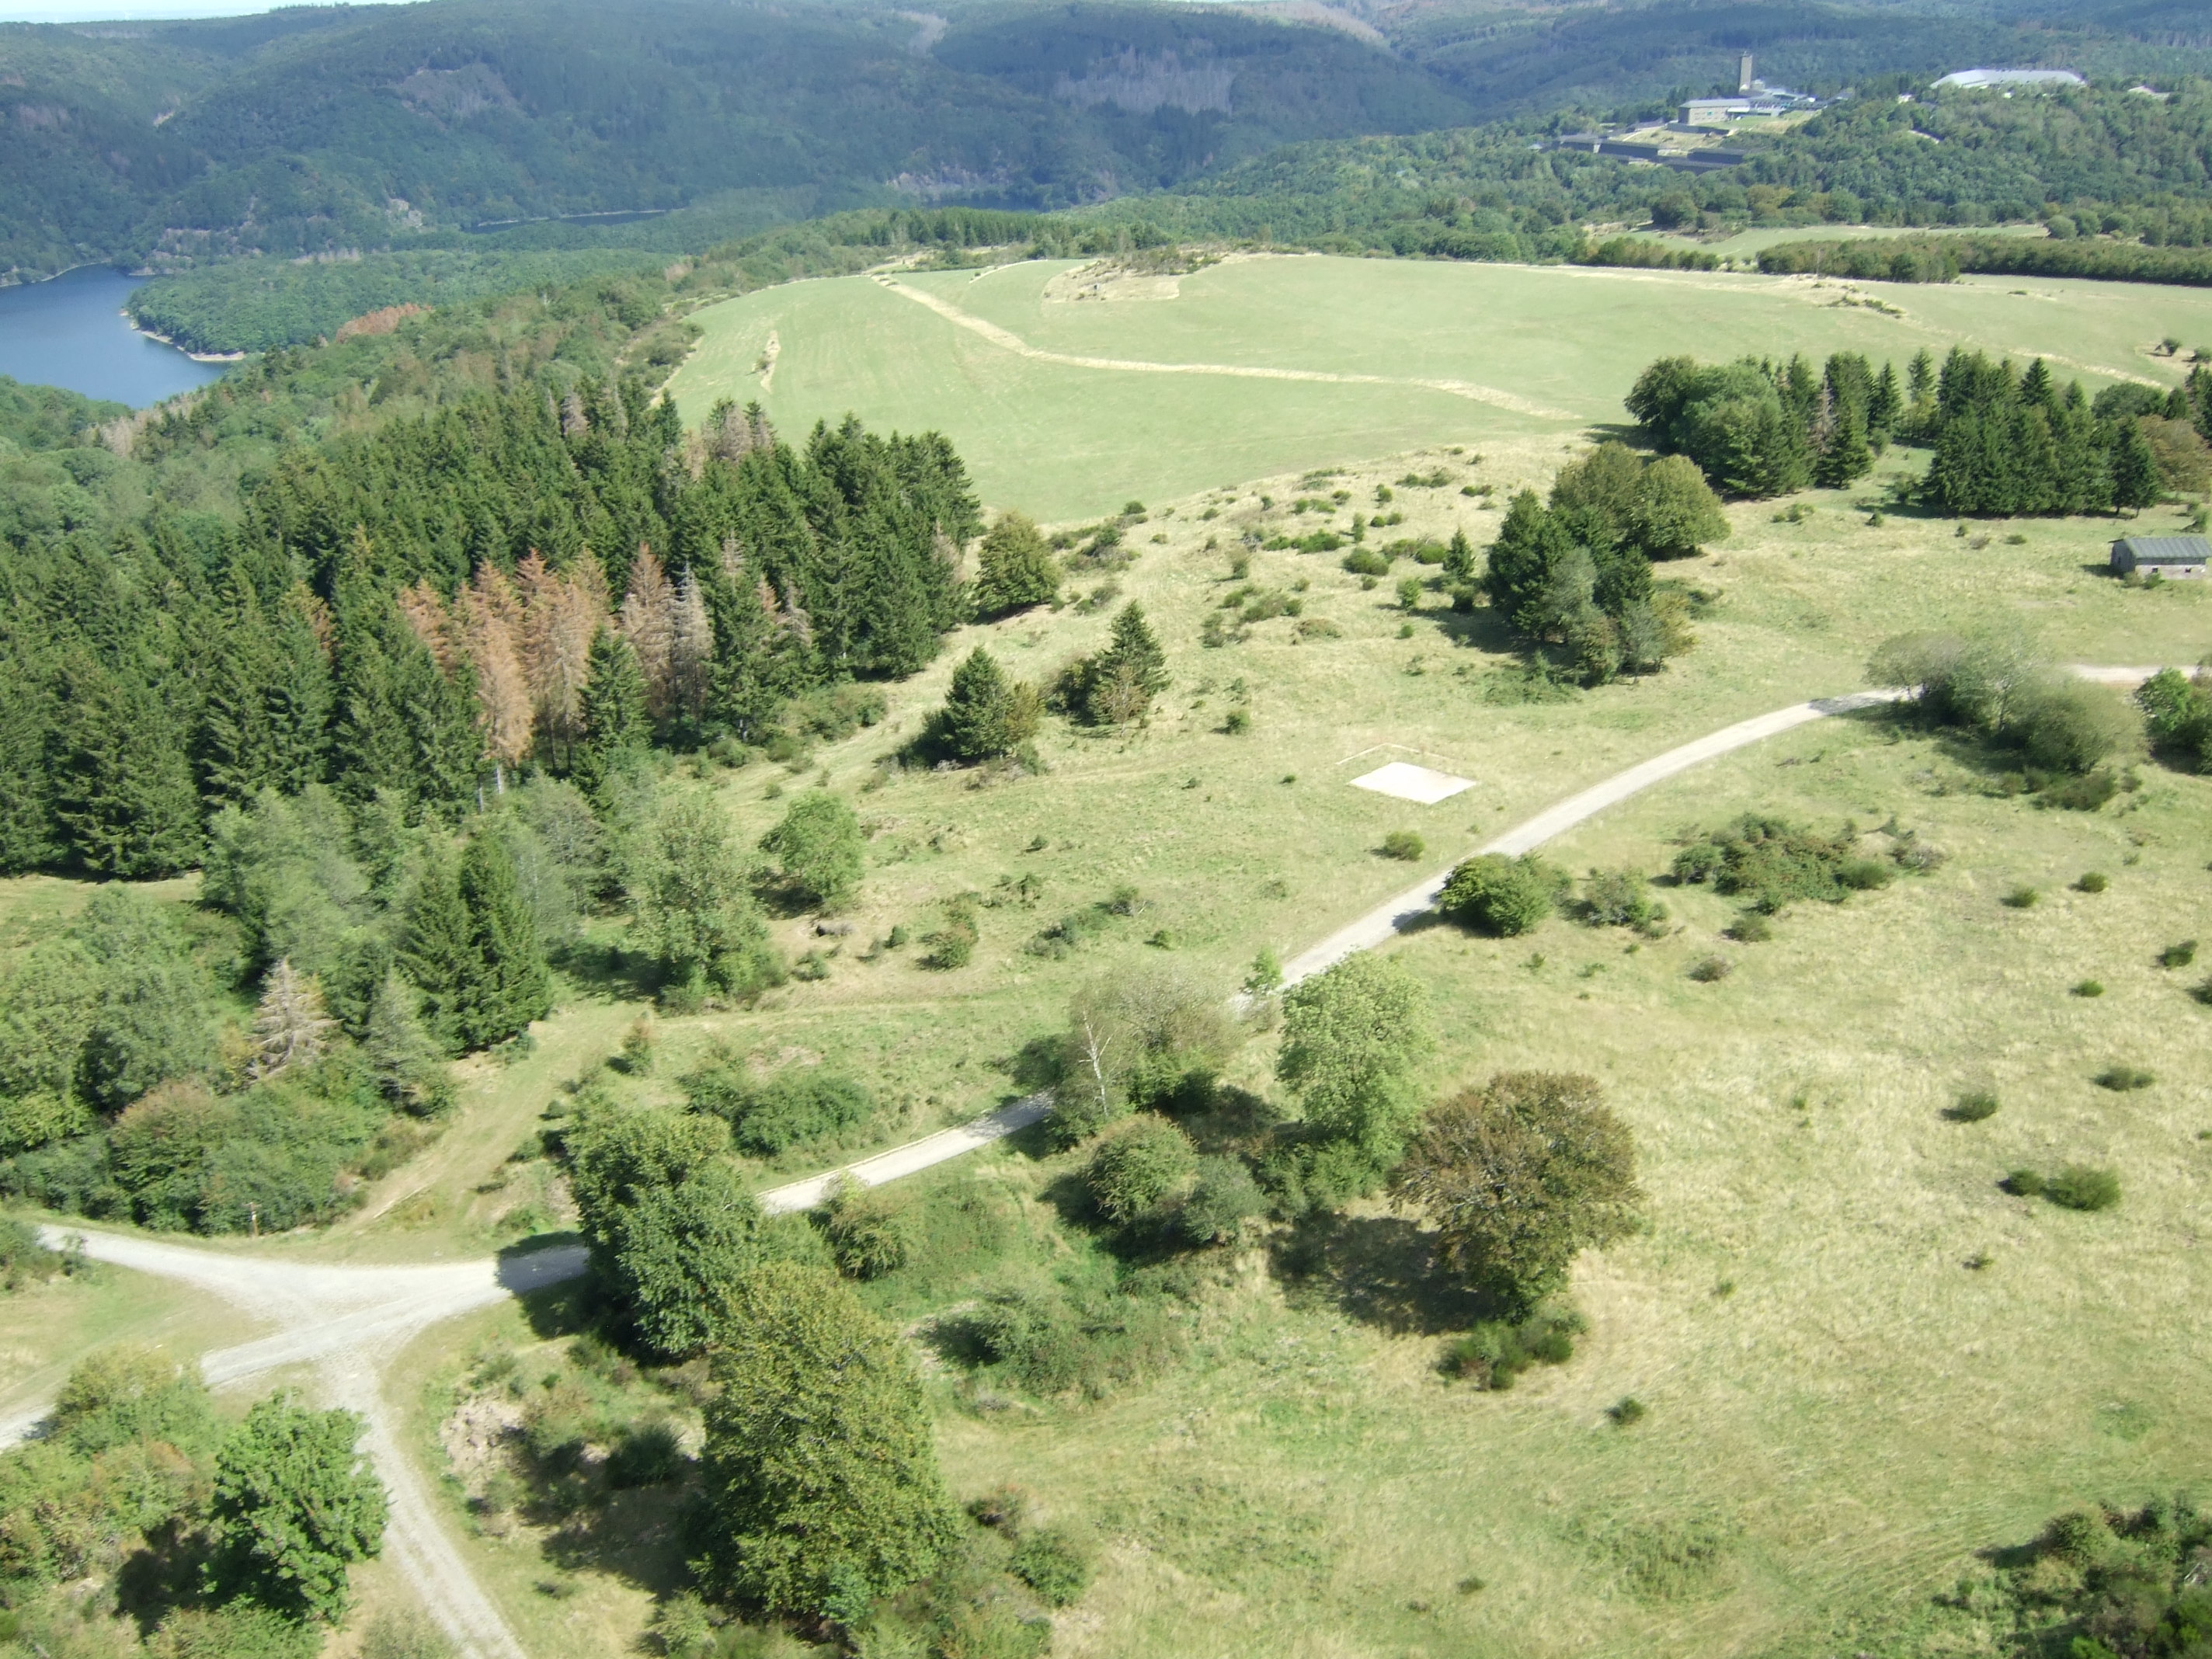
(1006,340)
(348,1322)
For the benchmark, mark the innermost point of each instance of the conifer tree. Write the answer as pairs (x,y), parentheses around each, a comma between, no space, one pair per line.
(1129,672)
(123,788)
(1846,456)
(291,1027)
(439,954)
(2136,480)
(985,713)
(648,623)
(1459,558)
(617,729)
(1015,568)
(405,1063)
(510,985)
(690,649)
(28,834)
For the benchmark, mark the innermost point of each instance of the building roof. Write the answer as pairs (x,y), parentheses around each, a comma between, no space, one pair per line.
(1997,77)
(2165,550)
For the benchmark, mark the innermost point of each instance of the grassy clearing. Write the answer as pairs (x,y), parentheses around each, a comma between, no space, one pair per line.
(1841,1410)
(1060,441)
(46,1327)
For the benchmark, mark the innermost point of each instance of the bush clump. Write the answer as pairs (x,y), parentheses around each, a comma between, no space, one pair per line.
(1972,1107)
(1496,1352)
(1501,896)
(769,1116)
(1137,1166)
(2076,1187)
(2177,956)
(2123,1080)
(1054,1563)
(2092,881)
(1404,845)
(1711,971)
(1769,862)
(867,1229)
(1052,1340)
(1622,899)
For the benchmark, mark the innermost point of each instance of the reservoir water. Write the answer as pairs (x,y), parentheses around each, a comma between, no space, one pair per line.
(71,333)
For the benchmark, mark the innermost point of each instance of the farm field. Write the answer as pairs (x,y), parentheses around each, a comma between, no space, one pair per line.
(1532,351)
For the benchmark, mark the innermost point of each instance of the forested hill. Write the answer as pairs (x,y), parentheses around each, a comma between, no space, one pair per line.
(312,132)
(323,131)
(2088,160)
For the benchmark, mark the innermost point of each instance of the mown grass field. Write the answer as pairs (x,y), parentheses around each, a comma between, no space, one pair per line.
(1064,440)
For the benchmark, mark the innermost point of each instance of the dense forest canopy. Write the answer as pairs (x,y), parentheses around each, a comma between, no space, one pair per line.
(322,132)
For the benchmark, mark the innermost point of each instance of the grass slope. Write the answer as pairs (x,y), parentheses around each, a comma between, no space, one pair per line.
(1062,441)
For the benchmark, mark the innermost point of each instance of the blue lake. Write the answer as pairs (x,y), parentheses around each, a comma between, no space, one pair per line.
(71,333)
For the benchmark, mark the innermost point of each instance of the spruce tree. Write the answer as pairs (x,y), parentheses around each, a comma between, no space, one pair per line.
(1846,456)
(1016,568)
(439,954)
(1458,559)
(1129,674)
(510,985)
(2135,474)
(28,834)
(616,728)
(123,789)
(985,713)
(405,1063)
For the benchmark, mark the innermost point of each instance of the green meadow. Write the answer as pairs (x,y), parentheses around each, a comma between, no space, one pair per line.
(1552,349)
(1863,1364)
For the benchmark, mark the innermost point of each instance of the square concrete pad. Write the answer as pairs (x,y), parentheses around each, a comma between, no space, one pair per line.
(1409,782)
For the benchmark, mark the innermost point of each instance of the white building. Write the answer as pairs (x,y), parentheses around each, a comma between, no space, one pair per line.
(1996,77)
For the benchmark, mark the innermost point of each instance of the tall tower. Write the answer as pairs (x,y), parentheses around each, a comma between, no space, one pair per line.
(1743,76)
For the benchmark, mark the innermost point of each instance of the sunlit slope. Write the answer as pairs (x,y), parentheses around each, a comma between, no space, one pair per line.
(1069,407)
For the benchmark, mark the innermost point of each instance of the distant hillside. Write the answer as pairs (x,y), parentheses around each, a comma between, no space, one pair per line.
(315,131)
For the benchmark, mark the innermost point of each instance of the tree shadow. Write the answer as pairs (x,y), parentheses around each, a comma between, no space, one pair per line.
(1382,1271)
(639,1534)
(567,1306)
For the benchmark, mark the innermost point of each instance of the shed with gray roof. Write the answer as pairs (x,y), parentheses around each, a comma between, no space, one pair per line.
(2163,555)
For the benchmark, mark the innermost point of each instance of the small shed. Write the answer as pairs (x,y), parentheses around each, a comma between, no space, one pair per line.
(2163,555)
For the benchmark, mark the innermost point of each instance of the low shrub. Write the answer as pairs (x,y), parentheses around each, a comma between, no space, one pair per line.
(2081,1187)
(2092,881)
(1054,1563)
(1501,896)
(1367,562)
(1711,969)
(1495,1353)
(769,1116)
(1052,1340)
(2083,792)
(1403,844)
(1621,898)
(1137,1166)
(2123,1079)
(23,1258)
(953,944)
(868,1230)
(1751,928)
(2076,1187)
(2177,956)
(2021,898)
(1225,1196)
(1972,1107)
(2090,987)
(1770,863)
(1628,1412)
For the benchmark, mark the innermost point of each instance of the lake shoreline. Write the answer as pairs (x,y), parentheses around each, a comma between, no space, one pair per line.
(137,327)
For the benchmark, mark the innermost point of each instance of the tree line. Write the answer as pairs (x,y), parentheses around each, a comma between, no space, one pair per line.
(419,611)
(2006,442)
